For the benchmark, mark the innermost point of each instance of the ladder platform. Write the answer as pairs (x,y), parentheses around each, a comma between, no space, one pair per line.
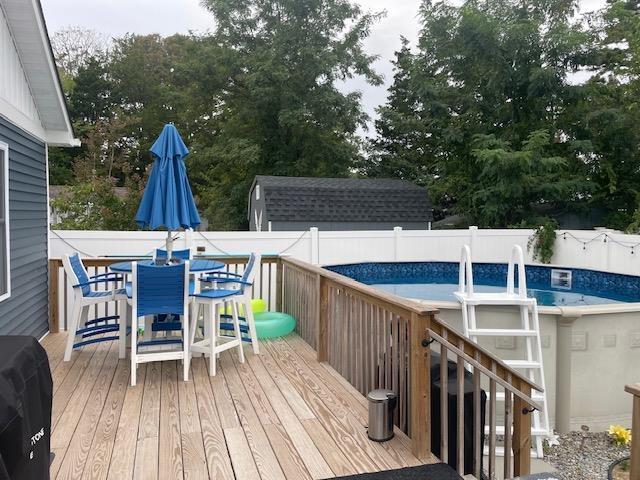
(502,332)
(495,299)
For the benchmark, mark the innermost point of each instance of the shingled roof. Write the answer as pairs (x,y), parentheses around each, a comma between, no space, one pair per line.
(343,199)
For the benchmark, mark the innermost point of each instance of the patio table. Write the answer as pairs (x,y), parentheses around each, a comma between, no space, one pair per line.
(195,266)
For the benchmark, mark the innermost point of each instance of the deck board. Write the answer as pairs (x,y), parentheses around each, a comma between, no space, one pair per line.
(280,415)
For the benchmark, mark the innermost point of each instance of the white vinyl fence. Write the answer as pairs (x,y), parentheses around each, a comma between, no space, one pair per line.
(594,249)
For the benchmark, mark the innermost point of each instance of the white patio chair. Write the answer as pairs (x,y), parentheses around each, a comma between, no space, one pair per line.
(236,291)
(84,295)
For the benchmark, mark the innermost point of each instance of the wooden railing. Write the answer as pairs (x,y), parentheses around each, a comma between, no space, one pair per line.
(634,462)
(268,284)
(378,340)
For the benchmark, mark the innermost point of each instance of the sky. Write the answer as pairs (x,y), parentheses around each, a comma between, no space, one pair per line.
(114,18)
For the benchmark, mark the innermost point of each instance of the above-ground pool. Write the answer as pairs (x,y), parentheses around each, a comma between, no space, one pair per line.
(551,286)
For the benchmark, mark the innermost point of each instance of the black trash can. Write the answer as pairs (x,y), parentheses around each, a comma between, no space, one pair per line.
(26,393)
(452,423)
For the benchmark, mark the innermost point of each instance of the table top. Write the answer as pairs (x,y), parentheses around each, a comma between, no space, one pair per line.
(194,265)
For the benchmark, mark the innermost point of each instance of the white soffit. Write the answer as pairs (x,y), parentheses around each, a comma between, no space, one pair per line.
(29,33)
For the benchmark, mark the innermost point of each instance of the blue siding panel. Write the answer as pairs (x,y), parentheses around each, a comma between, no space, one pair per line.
(26,311)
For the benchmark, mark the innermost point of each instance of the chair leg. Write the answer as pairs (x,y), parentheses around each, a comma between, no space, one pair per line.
(193,324)
(186,346)
(122,335)
(212,340)
(248,315)
(236,328)
(134,348)
(72,327)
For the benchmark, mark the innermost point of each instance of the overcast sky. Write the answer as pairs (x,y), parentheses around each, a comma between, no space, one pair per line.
(117,17)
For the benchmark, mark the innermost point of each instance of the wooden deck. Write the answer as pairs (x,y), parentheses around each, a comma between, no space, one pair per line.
(280,415)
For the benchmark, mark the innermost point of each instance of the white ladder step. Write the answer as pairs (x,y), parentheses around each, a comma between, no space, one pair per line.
(522,363)
(537,397)
(502,332)
(500,451)
(535,432)
(494,299)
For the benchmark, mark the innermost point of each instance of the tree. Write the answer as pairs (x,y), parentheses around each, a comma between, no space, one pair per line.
(610,115)
(493,72)
(282,111)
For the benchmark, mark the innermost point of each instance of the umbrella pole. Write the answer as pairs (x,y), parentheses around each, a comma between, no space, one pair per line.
(169,246)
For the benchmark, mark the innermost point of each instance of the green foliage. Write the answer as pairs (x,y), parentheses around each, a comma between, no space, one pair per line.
(485,110)
(477,111)
(257,97)
(94,205)
(542,242)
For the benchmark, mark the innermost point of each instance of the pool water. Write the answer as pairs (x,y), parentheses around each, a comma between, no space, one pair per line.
(444,292)
(438,281)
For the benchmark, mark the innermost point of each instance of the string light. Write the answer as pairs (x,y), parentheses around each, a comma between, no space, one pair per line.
(605,238)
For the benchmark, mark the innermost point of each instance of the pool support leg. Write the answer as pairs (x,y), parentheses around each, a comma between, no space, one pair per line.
(564,327)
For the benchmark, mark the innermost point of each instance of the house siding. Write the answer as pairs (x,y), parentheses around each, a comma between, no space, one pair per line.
(25,312)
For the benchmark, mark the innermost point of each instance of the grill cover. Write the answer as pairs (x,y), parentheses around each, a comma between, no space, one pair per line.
(26,391)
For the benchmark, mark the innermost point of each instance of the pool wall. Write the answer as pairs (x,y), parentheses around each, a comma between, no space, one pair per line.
(588,359)
(589,352)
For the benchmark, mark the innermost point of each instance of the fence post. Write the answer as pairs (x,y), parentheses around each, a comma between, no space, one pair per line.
(397,233)
(315,246)
(420,386)
(54,319)
(473,238)
(634,460)
(322,345)
(521,434)
(279,284)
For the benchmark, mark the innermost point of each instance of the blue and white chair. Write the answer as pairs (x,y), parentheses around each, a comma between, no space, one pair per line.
(82,331)
(181,254)
(160,290)
(242,284)
(236,291)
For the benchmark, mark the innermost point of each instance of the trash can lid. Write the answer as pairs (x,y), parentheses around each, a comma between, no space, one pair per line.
(380,395)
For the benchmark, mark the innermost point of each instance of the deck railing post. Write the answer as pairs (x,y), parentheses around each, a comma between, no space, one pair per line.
(634,461)
(54,319)
(323,319)
(279,284)
(420,386)
(521,434)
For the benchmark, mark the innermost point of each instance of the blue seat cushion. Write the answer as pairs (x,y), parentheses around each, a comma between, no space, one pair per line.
(217,293)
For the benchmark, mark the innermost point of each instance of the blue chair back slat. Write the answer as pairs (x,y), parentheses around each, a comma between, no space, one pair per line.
(80,272)
(250,266)
(181,254)
(160,289)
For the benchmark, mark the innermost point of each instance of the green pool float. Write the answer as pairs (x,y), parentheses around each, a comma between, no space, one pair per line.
(274,324)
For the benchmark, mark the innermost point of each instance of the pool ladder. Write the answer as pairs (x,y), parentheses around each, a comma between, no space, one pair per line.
(528,329)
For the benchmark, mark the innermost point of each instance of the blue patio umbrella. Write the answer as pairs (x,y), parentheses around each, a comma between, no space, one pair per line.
(167,200)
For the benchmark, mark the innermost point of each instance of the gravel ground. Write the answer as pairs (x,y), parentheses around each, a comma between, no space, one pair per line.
(584,455)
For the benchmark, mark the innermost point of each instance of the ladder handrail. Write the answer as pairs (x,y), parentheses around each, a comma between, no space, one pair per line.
(465,267)
(517,256)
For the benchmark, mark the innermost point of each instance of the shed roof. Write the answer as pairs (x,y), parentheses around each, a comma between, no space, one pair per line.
(300,199)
